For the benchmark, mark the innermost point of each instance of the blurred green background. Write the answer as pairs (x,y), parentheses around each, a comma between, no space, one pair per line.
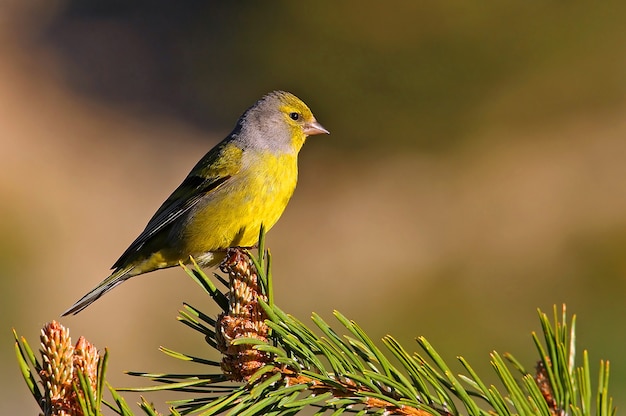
(475,171)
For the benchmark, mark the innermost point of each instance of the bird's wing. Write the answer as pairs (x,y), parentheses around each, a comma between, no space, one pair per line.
(211,172)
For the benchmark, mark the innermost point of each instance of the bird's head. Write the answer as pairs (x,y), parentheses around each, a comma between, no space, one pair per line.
(279,121)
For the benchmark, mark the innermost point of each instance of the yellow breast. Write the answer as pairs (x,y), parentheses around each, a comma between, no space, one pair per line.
(257,195)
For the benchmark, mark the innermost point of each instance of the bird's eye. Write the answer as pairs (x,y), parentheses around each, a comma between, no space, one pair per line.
(294,116)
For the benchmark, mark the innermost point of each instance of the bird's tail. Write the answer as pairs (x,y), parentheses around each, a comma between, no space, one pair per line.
(107,284)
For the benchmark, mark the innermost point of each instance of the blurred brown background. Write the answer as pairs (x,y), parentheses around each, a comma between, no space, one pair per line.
(476,168)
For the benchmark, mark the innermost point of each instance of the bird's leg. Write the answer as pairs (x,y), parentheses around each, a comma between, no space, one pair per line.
(254,247)
(226,250)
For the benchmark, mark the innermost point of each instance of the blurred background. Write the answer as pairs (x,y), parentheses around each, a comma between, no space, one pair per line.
(475,171)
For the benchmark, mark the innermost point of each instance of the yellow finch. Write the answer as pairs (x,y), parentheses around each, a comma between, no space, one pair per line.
(243,182)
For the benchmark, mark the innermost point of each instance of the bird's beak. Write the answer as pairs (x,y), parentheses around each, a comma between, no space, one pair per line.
(314,128)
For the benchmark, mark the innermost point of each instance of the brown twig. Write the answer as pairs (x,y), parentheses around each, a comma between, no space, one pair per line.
(543,382)
(245,318)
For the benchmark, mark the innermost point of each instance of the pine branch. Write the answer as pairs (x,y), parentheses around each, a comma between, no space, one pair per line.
(294,368)
(274,364)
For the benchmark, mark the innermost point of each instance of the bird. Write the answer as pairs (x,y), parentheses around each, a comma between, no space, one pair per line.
(242,184)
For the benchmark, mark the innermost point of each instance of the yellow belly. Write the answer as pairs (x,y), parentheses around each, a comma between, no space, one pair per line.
(233,216)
